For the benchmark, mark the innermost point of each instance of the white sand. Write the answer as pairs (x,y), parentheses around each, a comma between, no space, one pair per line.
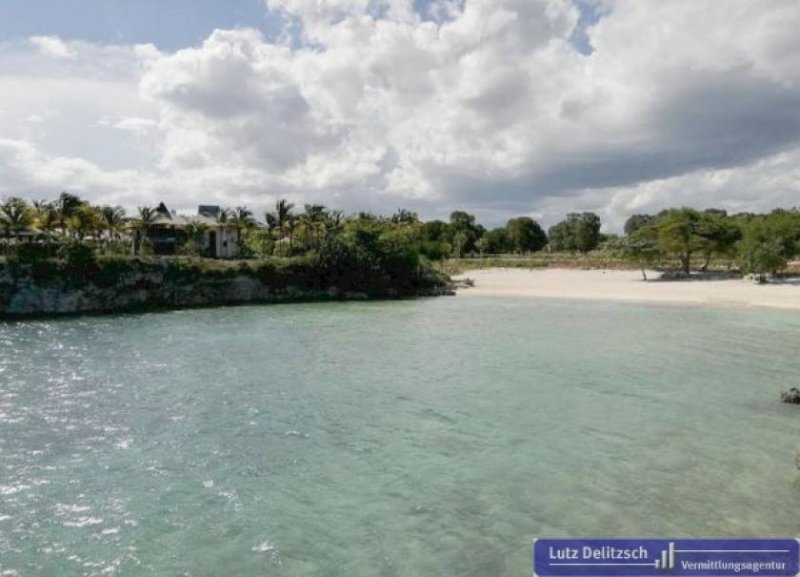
(628,286)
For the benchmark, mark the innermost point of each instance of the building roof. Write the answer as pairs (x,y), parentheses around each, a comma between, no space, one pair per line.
(206,215)
(209,210)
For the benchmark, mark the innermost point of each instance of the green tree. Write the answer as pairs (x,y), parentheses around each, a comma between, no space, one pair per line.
(685,232)
(468,231)
(225,215)
(434,230)
(720,233)
(678,234)
(114,217)
(768,242)
(525,235)
(66,207)
(460,241)
(45,215)
(282,221)
(579,232)
(87,221)
(16,215)
(195,232)
(403,216)
(637,221)
(143,223)
(496,241)
(257,242)
(314,222)
(242,216)
(434,242)
(762,250)
(242,219)
(640,246)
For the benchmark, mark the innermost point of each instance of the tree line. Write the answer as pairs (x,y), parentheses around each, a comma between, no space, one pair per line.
(756,243)
(462,235)
(288,230)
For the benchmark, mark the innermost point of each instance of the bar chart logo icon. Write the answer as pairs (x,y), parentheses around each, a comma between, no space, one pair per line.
(667,560)
(660,557)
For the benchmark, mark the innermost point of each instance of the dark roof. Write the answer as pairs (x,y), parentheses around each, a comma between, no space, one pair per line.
(163,210)
(210,211)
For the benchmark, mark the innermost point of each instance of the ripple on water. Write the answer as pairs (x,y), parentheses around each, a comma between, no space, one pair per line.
(385,438)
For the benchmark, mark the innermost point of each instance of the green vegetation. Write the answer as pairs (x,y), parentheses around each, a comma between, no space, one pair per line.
(578,233)
(601,258)
(680,239)
(768,243)
(70,245)
(756,244)
(319,247)
(685,232)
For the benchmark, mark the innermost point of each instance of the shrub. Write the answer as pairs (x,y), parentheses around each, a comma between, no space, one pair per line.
(76,254)
(27,253)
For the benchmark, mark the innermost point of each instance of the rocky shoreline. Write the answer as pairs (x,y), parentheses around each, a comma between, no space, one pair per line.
(32,291)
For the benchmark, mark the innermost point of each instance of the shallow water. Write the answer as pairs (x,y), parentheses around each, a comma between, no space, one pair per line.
(432,437)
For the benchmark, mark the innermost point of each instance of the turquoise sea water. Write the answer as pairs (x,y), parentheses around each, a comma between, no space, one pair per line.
(416,438)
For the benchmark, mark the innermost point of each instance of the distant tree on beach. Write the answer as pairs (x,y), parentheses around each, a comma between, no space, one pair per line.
(525,235)
(686,232)
(677,233)
(720,234)
(460,240)
(641,247)
(579,232)
(760,251)
(463,231)
(768,242)
(496,241)
(637,221)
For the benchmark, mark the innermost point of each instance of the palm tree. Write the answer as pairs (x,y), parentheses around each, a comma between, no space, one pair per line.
(41,205)
(114,220)
(66,207)
(88,221)
(224,215)
(241,218)
(16,215)
(45,215)
(282,219)
(291,226)
(315,219)
(142,223)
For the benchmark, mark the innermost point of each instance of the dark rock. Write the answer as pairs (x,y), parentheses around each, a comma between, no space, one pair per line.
(791,396)
(123,285)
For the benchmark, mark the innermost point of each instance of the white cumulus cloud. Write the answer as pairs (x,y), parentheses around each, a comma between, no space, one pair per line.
(485,105)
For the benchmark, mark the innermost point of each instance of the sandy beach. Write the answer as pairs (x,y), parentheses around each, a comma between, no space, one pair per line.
(628,286)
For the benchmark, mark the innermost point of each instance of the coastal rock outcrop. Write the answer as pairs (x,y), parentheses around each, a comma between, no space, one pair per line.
(792,396)
(49,288)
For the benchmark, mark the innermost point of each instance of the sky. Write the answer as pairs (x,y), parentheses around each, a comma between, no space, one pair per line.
(498,107)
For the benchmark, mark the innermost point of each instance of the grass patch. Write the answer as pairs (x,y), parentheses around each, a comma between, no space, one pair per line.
(598,259)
